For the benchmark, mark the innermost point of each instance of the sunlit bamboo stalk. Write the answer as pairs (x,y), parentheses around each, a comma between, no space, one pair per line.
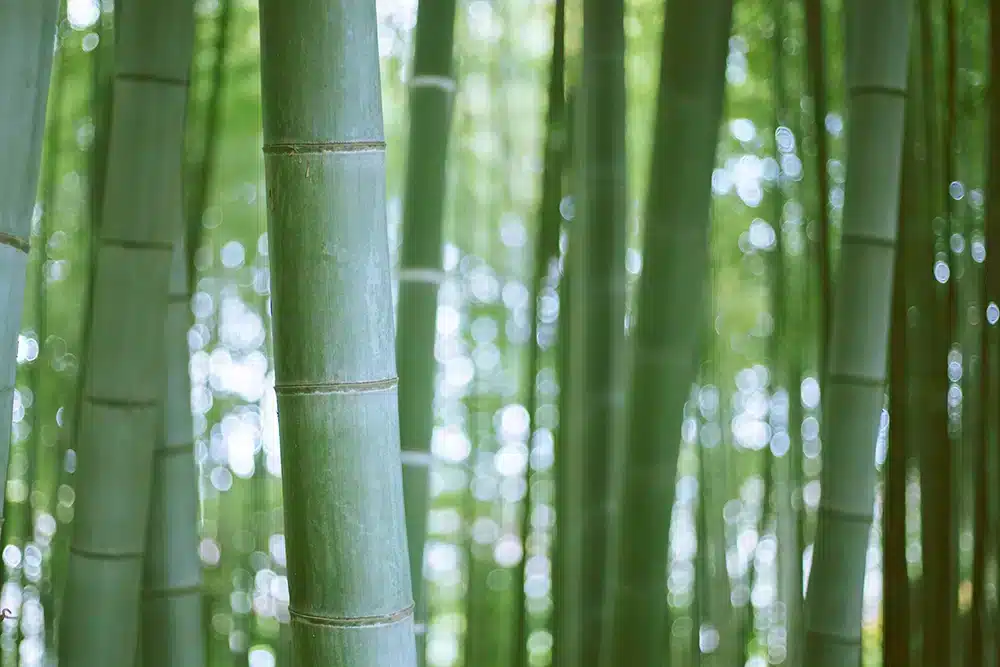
(350,593)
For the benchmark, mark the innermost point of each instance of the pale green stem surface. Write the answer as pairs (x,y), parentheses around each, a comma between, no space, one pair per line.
(172,605)
(351,602)
(432,89)
(877,48)
(121,419)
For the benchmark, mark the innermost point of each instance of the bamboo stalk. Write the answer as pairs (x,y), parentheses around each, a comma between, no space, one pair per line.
(672,293)
(596,337)
(172,604)
(125,380)
(27,31)
(546,251)
(351,601)
(432,88)
(877,48)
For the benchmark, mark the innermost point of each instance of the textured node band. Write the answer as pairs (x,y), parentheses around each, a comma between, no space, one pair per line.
(418,275)
(892,91)
(443,83)
(844,515)
(306,388)
(325,147)
(416,459)
(141,77)
(124,403)
(175,592)
(866,239)
(391,618)
(15,242)
(132,244)
(857,380)
(106,555)
(837,638)
(174,450)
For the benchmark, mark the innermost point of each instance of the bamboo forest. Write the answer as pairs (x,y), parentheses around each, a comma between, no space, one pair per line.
(499,333)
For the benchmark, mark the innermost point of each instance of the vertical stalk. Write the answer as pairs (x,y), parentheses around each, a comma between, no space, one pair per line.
(991,270)
(666,335)
(596,337)
(27,31)
(121,416)
(877,47)
(350,594)
(432,87)
(896,631)
(816,64)
(172,605)
(546,251)
(205,169)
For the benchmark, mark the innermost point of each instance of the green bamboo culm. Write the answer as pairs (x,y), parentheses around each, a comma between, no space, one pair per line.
(596,337)
(546,252)
(432,88)
(27,31)
(121,418)
(991,278)
(878,35)
(202,174)
(665,346)
(350,596)
(172,605)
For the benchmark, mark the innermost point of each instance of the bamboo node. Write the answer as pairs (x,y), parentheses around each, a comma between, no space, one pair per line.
(106,555)
(363,387)
(416,459)
(142,77)
(869,89)
(398,616)
(443,83)
(428,276)
(297,148)
(134,244)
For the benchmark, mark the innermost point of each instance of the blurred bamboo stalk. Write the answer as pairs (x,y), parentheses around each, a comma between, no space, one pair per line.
(141,216)
(432,89)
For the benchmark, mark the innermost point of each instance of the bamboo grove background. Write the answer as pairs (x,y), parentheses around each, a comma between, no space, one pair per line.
(541,157)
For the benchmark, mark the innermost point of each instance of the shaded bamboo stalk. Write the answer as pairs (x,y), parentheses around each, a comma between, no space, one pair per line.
(931,343)
(546,251)
(665,346)
(202,176)
(172,605)
(816,65)
(896,631)
(990,377)
(596,338)
(786,444)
